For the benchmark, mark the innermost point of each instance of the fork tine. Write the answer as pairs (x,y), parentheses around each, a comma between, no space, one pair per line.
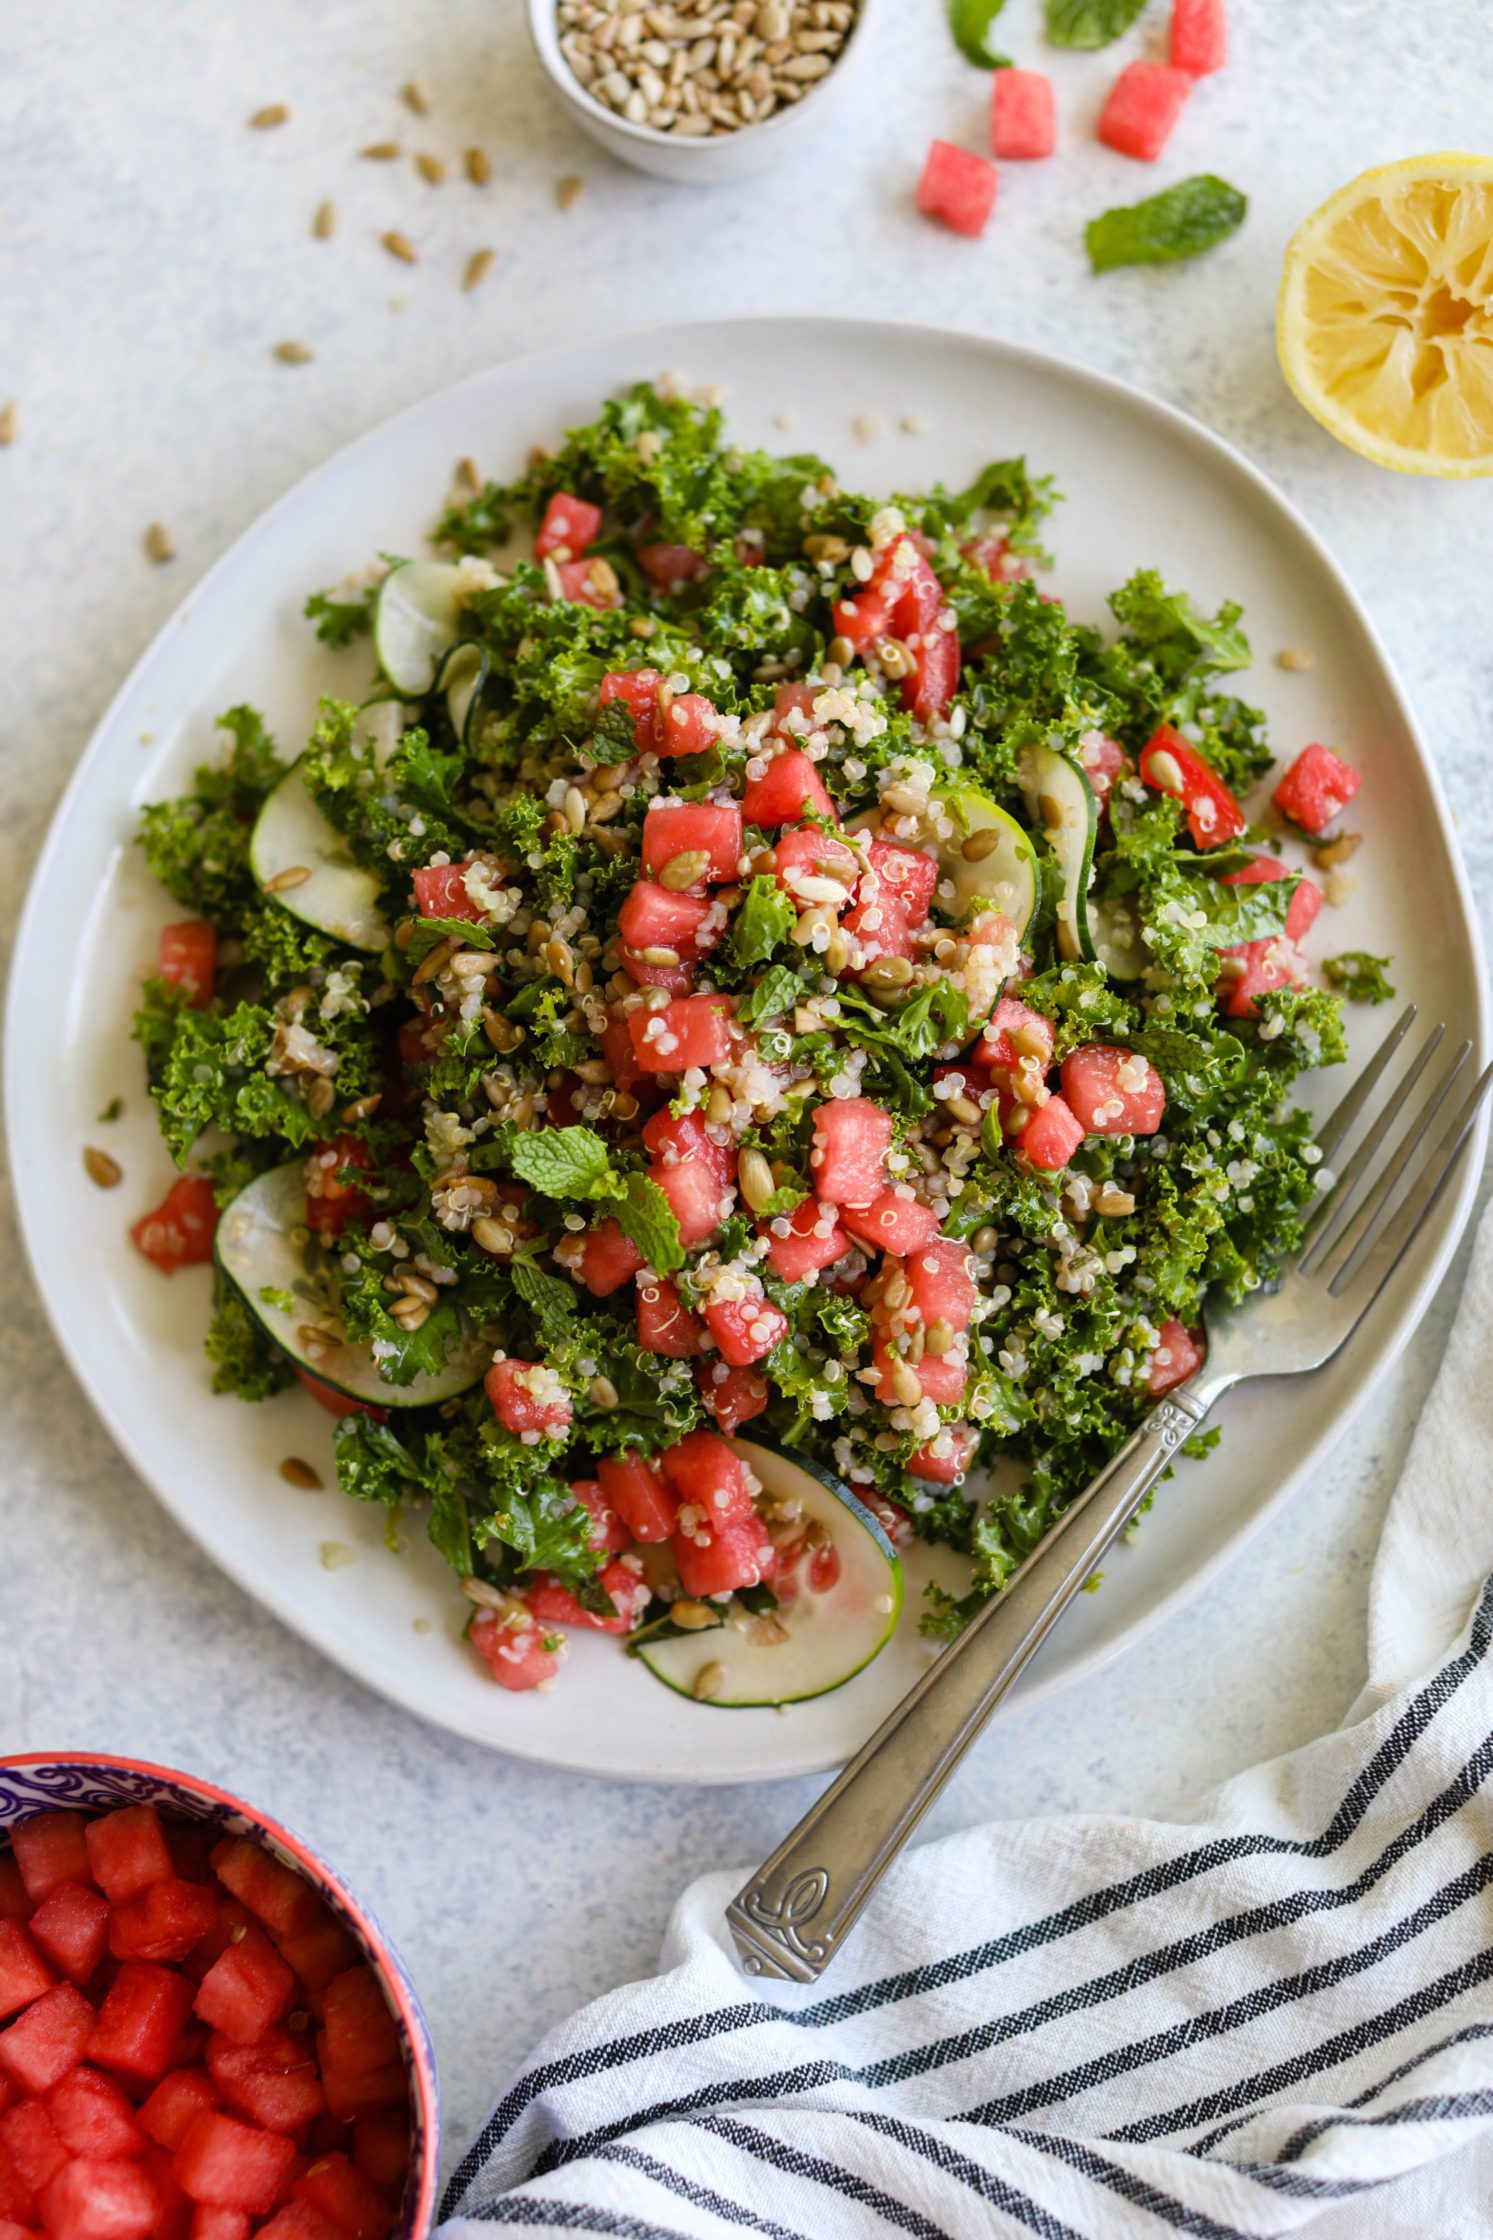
(1328,1220)
(1335,1127)
(1435,1173)
(1350,1233)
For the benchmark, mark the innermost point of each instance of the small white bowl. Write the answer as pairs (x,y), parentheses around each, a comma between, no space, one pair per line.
(726,155)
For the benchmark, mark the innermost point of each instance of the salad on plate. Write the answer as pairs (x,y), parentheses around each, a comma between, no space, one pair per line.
(745,1043)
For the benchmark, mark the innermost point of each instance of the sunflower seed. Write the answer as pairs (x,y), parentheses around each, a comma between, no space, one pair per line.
(294,353)
(263,120)
(158,543)
(414,97)
(100,1168)
(324,224)
(10,422)
(479,265)
(294,875)
(400,245)
(478,166)
(298,1473)
(382,151)
(430,168)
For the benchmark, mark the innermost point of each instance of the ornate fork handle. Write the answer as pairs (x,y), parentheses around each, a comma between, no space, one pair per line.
(792,1916)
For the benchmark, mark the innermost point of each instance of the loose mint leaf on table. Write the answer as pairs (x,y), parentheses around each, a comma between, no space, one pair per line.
(970,21)
(1089,23)
(1361,978)
(1179,222)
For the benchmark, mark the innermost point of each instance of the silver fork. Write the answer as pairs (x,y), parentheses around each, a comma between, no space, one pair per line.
(793,1915)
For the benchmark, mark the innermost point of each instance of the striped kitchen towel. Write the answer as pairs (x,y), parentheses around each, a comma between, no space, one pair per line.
(1274,2015)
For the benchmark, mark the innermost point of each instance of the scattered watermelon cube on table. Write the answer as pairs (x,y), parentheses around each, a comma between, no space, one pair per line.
(957,188)
(1144,103)
(1023,122)
(1199,36)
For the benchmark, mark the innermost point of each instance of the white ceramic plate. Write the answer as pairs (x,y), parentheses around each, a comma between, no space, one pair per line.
(1144,486)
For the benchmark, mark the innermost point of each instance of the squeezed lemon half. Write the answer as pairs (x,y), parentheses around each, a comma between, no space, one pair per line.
(1385,320)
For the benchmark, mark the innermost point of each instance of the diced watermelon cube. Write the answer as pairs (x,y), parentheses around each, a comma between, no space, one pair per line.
(381,2147)
(29,2137)
(1199,36)
(441,891)
(672,1137)
(653,917)
(15,1903)
(852,1136)
(957,188)
(1144,103)
(528,1396)
(933,684)
(1256,968)
(711,829)
(690,1031)
(554,1605)
(16,2199)
(1176,1358)
(519,1653)
(10,2230)
(940,1282)
(705,1473)
(569,527)
(92,2117)
(1316,788)
(188,955)
(802,1242)
(607,1258)
(746,1330)
(48,2039)
(892,1223)
(318,1952)
(127,1850)
(100,2201)
(144,2013)
(718,1562)
(904,876)
(50,1848)
(24,1975)
(1112,1092)
(212,2223)
(1173,765)
(665,1324)
(353,2093)
(670,567)
(733,1396)
(340,2190)
(590,583)
(1103,759)
(691,725)
(878,928)
(301,2220)
(941,1377)
(274,2083)
(674,979)
(70,1927)
(233,1919)
(608,1532)
(172,2108)
(809,853)
(162,1922)
(1015,1032)
(281,1898)
(178,1233)
(246,1990)
(1051,1136)
(945,1458)
(1023,122)
(230,2163)
(361,2031)
(1302,914)
(639,689)
(788,788)
(863,619)
(696,1196)
(639,1495)
(1264,870)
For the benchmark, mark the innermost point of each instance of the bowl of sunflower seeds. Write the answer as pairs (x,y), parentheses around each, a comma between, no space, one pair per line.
(706,90)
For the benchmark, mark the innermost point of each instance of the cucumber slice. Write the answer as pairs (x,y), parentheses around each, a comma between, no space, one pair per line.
(1061,798)
(461,677)
(416,618)
(1117,938)
(1005,878)
(338,896)
(265,1249)
(831,1636)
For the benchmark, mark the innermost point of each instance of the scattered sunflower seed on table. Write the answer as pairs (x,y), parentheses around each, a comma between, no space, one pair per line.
(700,68)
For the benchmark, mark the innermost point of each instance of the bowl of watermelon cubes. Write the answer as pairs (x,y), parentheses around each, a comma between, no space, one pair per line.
(204,2035)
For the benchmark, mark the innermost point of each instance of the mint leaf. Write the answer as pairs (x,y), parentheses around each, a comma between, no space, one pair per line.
(766,917)
(550,1300)
(562,1162)
(428,933)
(784,1199)
(645,1214)
(969,23)
(1361,978)
(1248,913)
(777,991)
(1180,222)
(615,735)
(1089,23)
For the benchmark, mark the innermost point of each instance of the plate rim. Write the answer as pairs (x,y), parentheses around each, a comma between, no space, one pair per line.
(1178,423)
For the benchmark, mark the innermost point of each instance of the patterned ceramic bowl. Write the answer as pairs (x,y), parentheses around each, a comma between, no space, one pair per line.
(92,1783)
